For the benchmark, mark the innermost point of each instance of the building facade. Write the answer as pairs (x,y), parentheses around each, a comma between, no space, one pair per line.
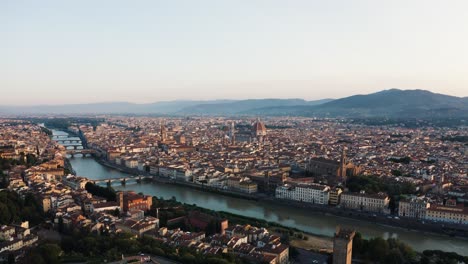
(457,214)
(366,202)
(132,201)
(334,196)
(413,208)
(309,193)
(325,167)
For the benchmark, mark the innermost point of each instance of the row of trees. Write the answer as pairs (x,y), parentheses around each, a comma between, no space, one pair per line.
(383,251)
(373,184)
(393,251)
(438,256)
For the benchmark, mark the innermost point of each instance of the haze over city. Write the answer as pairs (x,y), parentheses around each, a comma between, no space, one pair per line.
(62,52)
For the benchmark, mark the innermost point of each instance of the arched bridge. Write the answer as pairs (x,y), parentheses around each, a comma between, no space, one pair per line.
(67,140)
(122,180)
(84,152)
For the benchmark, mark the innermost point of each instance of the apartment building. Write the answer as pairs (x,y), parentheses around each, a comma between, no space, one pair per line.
(366,202)
(310,193)
(413,208)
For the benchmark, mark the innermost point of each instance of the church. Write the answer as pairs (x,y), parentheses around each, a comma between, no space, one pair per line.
(333,169)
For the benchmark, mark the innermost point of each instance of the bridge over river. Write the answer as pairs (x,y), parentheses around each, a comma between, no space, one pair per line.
(122,180)
(67,140)
(83,152)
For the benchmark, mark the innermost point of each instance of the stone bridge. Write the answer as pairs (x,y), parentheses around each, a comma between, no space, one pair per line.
(122,180)
(84,152)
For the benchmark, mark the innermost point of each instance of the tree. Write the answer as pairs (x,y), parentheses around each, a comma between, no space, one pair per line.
(188,258)
(34,256)
(116,212)
(60,225)
(107,193)
(394,256)
(11,258)
(50,253)
(378,247)
(5,216)
(359,244)
(14,208)
(211,227)
(4,181)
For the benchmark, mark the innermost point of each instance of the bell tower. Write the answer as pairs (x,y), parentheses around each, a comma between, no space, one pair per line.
(163,131)
(343,162)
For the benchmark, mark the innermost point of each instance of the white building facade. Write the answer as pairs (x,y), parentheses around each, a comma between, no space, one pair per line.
(309,193)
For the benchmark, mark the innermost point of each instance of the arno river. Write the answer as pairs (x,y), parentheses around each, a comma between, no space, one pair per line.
(307,220)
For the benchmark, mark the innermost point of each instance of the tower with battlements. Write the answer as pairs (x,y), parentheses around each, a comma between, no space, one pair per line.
(343,246)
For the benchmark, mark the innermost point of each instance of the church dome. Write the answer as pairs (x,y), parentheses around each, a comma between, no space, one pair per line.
(259,128)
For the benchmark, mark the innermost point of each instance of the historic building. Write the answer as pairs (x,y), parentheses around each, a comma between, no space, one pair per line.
(309,193)
(343,246)
(242,184)
(267,181)
(448,213)
(130,201)
(331,168)
(259,130)
(413,208)
(366,202)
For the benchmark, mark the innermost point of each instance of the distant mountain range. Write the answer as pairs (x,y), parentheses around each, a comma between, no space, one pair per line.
(393,103)
(212,107)
(388,103)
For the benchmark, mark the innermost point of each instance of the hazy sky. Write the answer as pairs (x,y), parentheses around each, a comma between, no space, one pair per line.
(54,52)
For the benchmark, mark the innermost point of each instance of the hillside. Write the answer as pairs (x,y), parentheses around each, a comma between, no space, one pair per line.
(392,103)
(247,106)
(395,103)
(387,103)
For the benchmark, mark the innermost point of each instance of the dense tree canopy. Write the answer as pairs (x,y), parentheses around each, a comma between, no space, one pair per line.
(383,251)
(105,192)
(373,184)
(15,209)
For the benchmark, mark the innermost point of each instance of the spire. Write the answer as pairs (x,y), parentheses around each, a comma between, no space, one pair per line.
(233,133)
(343,161)
(343,157)
(163,130)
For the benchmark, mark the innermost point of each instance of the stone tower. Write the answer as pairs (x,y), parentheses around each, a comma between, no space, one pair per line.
(343,163)
(163,131)
(343,246)
(233,133)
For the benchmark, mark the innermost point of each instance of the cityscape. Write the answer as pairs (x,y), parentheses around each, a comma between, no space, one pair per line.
(233,132)
(405,177)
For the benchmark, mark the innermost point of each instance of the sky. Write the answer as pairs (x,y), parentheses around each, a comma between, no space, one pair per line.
(60,52)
